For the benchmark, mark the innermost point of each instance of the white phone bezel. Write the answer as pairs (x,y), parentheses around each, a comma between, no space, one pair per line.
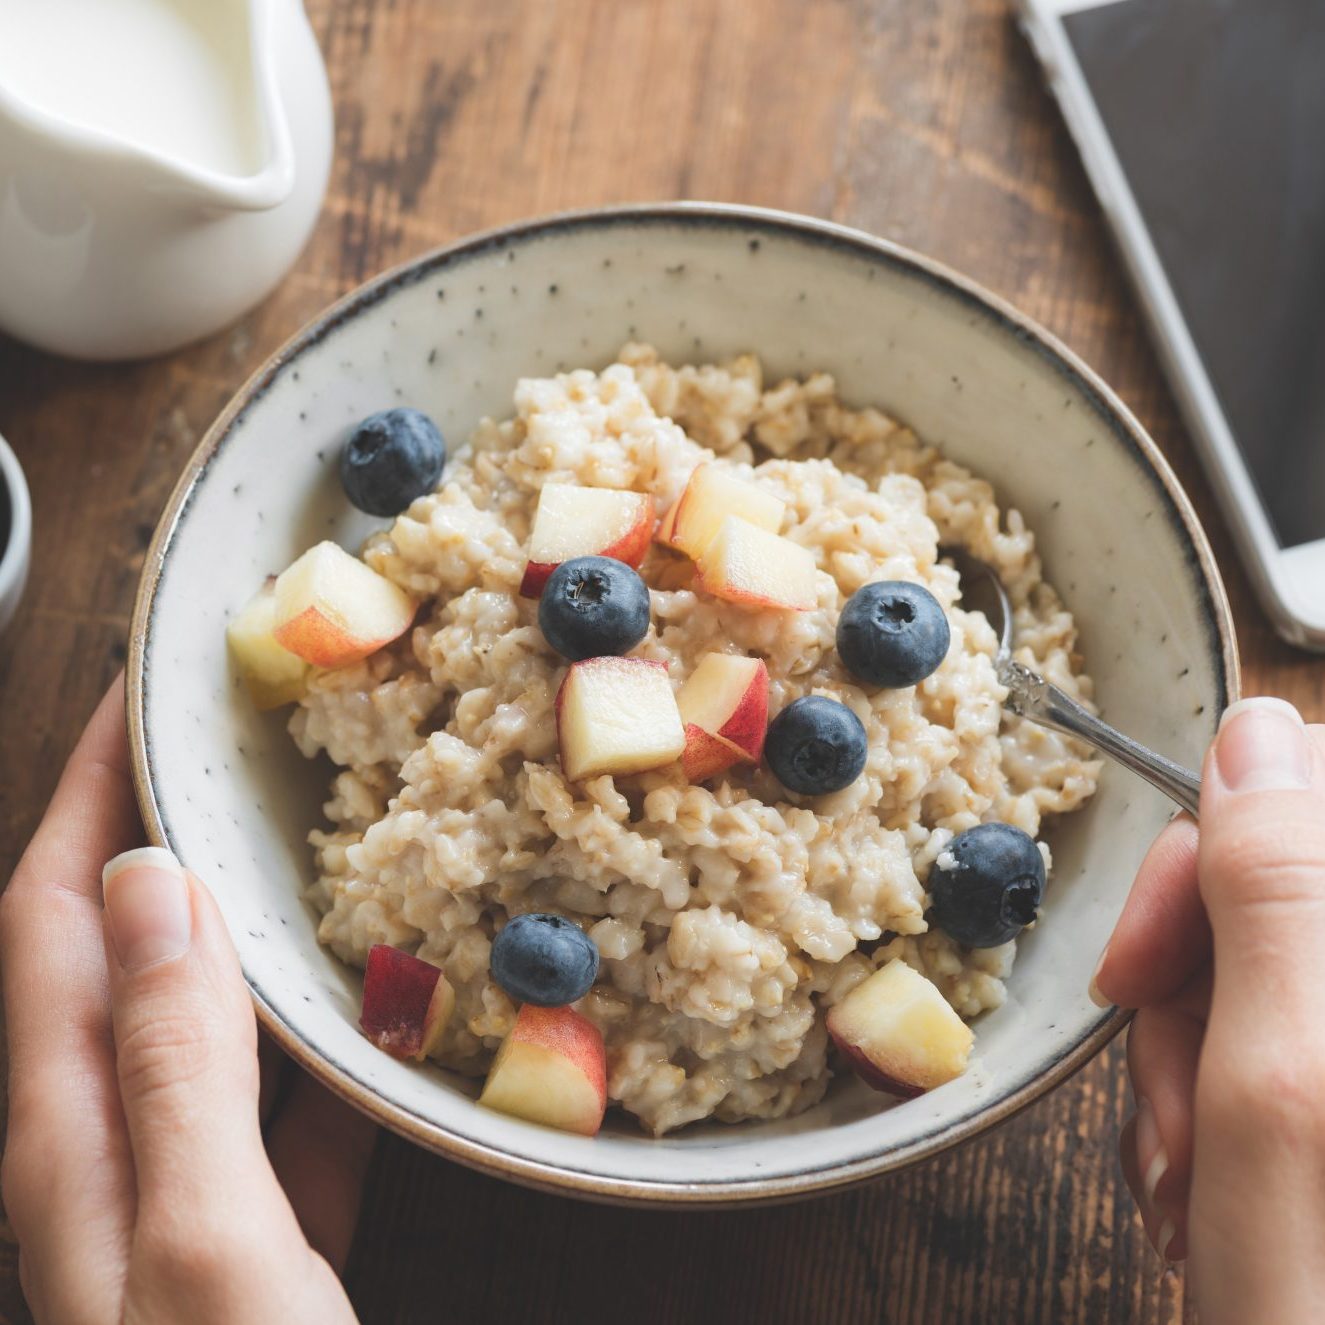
(1289,581)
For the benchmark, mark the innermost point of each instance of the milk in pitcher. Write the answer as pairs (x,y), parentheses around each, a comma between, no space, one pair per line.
(171,76)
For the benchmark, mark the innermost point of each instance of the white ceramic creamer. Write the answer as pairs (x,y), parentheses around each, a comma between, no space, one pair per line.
(161,165)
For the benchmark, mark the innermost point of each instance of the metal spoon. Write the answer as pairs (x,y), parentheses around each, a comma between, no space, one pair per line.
(1031,696)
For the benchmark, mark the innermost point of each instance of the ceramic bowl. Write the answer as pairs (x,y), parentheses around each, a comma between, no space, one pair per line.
(15,533)
(224,788)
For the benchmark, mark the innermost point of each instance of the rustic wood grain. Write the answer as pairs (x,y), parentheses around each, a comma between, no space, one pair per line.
(923,120)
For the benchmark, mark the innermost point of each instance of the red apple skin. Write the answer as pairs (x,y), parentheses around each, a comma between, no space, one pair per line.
(730,594)
(634,543)
(706,755)
(401,1008)
(734,714)
(542,1037)
(749,565)
(748,724)
(870,1074)
(899,1033)
(346,636)
(536,575)
(316,640)
(565,1031)
(630,548)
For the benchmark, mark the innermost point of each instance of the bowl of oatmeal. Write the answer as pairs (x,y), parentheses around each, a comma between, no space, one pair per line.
(791,413)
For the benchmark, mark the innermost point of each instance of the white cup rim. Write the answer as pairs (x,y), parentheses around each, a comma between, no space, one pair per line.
(15,553)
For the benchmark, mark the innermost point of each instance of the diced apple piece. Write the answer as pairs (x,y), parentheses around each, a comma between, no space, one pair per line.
(744,564)
(617,715)
(899,1033)
(273,675)
(551,1069)
(331,609)
(666,530)
(585,522)
(706,755)
(727,696)
(407,1003)
(710,497)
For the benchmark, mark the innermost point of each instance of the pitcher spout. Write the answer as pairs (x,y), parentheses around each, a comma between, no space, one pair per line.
(272,184)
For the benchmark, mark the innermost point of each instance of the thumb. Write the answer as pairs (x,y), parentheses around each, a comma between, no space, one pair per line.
(186,1050)
(1262,855)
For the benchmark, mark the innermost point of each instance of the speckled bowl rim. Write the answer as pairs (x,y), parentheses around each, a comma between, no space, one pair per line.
(1123,426)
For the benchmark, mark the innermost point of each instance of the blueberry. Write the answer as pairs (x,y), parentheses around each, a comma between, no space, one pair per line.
(816,745)
(892,634)
(987,886)
(544,959)
(390,459)
(592,607)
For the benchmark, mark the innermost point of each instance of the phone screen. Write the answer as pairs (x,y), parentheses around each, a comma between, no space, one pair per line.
(1216,109)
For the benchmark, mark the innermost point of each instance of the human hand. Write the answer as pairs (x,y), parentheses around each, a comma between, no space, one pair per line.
(153,1172)
(1220,948)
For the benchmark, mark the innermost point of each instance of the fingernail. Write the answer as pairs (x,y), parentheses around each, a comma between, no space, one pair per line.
(1093,989)
(1152,1158)
(147,901)
(1262,746)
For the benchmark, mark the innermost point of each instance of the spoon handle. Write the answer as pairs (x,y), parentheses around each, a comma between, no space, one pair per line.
(1031,696)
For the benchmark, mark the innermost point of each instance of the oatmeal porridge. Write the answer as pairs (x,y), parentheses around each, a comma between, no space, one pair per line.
(729,914)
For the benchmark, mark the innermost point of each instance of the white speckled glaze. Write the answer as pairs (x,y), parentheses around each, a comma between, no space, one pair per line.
(112,250)
(450,333)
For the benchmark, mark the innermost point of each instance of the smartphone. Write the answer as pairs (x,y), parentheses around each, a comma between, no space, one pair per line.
(1202,127)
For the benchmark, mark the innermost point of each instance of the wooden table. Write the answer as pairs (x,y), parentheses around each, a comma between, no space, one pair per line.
(921,120)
